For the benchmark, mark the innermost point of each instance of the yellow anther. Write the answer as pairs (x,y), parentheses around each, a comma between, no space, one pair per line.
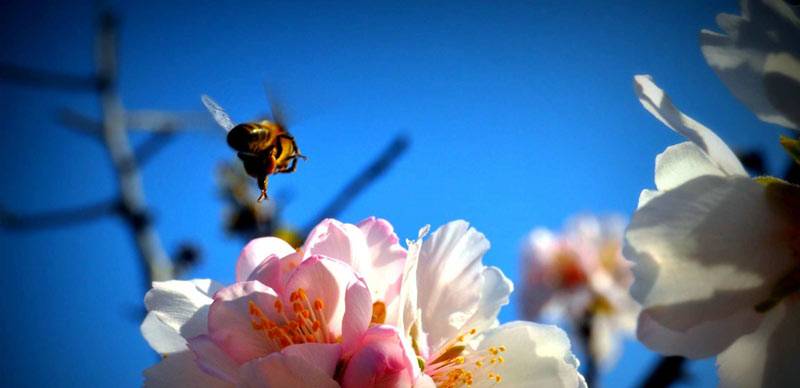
(318,305)
(500,359)
(501,348)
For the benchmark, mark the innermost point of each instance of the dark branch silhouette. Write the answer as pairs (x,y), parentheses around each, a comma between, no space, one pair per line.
(59,218)
(667,372)
(373,171)
(47,79)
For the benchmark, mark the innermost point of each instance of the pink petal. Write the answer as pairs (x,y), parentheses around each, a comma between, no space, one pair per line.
(331,238)
(323,356)
(386,258)
(230,321)
(212,360)
(275,271)
(257,251)
(357,315)
(281,370)
(382,359)
(324,280)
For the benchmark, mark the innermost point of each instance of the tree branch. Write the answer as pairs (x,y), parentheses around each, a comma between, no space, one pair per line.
(46,79)
(668,371)
(373,171)
(58,218)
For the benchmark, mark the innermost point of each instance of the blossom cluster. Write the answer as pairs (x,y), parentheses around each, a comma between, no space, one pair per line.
(579,276)
(353,308)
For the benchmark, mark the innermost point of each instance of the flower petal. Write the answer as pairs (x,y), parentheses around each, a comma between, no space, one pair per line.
(230,322)
(659,105)
(180,370)
(257,251)
(706,339)
(212,360)
(449,279)
(180,305)
(162,337)
(701,251)
(768,356)
(274,271)
(681,163)
(280,370)
(782,84)
(326,280)
(494,294)
(739,57)
(323,356)
(381,359)
(337,240)
(357,315)
(536,356)
(386,258)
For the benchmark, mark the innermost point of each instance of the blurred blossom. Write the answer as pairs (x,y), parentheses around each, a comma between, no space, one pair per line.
(758,58)
(353,308)
(717,257)
(579,275)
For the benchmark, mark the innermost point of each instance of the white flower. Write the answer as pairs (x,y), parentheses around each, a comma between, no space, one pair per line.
(758,58)
(454,300)
(717,258)
(581,274)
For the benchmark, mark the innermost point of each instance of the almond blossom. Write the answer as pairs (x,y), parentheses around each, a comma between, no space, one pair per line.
(306,318)
(758,58)
(581,275)
(717,257)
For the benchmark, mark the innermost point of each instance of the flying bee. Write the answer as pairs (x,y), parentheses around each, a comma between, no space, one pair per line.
(265,147)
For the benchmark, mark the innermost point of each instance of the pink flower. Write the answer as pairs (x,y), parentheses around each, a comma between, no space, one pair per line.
(581,273)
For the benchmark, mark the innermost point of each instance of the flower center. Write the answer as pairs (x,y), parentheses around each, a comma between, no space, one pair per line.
(455,366)
(304,323)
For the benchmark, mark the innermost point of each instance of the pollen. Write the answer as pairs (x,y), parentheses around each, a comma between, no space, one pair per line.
(455,365)
(303,324)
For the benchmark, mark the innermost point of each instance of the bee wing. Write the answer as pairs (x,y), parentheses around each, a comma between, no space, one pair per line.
(219,114)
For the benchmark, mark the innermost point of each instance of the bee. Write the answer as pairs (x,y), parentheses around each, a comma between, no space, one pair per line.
(265,147)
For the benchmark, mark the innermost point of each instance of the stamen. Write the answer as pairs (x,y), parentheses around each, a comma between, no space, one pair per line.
(305,325)
(456,366)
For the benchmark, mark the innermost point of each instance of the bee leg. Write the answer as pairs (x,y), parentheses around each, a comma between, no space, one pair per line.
(294,145)
(262,184)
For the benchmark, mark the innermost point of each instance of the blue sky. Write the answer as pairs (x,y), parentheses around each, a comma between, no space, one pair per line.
(519,116)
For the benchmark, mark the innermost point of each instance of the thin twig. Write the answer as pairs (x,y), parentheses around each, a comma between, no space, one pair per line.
(79,122)
(668,371)
(590,361)
(164,121)
(361,181)
(46,79)
(152,145)
(58,218)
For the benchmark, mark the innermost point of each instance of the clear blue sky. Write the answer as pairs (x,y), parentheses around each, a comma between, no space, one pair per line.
(520,115)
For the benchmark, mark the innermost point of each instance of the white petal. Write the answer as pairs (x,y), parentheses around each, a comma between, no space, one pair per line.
(536,356)
(681,163)
(495,294)
(162,337)
(659,105)
(180,305)
(707,339)
(768,356)
(739,57)
(449,279)
(782,85)
(179,370)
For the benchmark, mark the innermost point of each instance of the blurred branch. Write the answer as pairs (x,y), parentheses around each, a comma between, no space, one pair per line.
(46,79)
(82,124)
(155,263)
(58,218)
(590,361)
(163,121)
(152,145)
(373,171)
(668,371)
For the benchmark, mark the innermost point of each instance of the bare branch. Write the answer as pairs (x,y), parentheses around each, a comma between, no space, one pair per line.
(163,121)
(667,372)
(46,79)
(373,171)
(155,262)
(79,122)
(152,146)
(59,218)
